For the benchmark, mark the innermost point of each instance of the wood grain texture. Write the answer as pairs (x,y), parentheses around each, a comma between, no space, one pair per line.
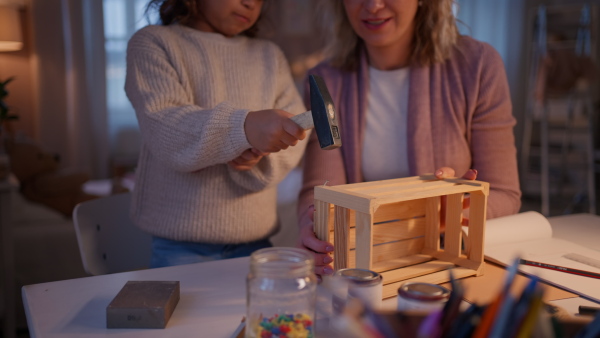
(432,223)
(321,220)
(477,217)
(364,247)
(384,252)
(406,209)
(400,262)
(391,290)
(341,238)
(393,226)
(454,211)
(392,231)
(415,271)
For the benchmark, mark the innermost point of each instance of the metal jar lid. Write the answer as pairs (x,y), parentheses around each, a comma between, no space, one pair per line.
(360,277)
(424,292)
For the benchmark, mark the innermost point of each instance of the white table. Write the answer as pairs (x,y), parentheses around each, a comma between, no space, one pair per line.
(212,303)
(212,300)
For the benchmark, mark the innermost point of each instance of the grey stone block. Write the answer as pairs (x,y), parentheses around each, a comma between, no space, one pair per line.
(143,304)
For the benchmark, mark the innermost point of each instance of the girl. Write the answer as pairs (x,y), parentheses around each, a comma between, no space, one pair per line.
(213,104)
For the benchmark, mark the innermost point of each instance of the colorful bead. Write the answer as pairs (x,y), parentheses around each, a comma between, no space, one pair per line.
(285,326)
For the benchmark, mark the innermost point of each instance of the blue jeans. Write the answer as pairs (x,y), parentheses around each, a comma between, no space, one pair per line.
(166,252)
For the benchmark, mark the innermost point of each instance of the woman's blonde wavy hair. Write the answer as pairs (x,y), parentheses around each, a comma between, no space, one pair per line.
(436,33)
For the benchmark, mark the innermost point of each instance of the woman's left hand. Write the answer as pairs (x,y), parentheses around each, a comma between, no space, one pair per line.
(248,159)
(447,172)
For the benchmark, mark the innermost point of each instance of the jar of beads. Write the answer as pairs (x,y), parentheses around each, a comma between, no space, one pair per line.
(281,293)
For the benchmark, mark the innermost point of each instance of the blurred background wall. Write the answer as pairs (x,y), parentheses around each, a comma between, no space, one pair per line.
(69,77)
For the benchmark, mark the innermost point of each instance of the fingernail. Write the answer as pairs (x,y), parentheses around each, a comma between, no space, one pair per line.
(329,248)
(327,270)
(327,260)
(475,171)
(439,173)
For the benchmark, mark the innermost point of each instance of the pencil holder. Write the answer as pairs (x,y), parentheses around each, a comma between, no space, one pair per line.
(393,227)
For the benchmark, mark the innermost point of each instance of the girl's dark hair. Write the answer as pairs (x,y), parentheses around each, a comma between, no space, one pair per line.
(185,12)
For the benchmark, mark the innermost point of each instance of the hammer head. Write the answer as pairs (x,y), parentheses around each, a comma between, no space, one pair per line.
(323,114)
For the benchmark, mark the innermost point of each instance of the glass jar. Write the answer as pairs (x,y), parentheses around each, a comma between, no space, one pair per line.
(422,296)
(363,284)
(280,293)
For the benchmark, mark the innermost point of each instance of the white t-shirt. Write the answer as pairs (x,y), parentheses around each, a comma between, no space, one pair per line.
(384,154)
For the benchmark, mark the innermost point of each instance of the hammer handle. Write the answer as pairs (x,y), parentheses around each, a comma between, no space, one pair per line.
(304,120)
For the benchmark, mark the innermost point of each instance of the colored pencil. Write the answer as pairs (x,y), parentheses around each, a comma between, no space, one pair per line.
(561,268)
(588,310)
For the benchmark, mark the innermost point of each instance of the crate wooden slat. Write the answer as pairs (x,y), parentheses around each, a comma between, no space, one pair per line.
(391,289)
(393,227)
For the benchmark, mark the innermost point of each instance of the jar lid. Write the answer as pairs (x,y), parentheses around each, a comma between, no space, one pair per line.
(361,277)
(424,291)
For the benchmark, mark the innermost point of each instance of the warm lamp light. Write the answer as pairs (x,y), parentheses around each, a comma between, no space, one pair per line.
(11,38)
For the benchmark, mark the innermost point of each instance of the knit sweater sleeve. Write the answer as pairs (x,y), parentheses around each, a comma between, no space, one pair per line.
(492,138)
(273,168)
(181,134)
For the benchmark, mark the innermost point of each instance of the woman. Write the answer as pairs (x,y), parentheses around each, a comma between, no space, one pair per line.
(412,96)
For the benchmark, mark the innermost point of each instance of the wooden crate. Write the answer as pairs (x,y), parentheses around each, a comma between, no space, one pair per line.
(393,227)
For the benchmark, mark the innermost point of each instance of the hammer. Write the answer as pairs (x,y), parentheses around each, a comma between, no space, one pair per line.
(321,116)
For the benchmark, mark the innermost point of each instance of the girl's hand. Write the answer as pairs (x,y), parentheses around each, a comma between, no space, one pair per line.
(446,172)
(272,130)
(319,248)
(248,159)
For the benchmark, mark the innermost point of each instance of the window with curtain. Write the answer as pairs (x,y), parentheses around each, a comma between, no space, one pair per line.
(121,19)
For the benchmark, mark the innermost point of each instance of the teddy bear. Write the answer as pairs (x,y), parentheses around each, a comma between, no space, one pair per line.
(40,178)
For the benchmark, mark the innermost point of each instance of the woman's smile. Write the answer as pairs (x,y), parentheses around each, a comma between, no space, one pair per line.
(376,23)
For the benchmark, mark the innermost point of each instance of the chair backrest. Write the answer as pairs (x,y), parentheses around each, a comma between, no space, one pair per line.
(108,240)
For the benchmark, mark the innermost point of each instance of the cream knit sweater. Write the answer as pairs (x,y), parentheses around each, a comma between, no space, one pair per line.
(191,92)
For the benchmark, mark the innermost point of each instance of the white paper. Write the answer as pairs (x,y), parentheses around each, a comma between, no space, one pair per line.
(528,235)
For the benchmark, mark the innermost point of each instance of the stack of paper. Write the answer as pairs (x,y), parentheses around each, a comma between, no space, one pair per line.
(528,235)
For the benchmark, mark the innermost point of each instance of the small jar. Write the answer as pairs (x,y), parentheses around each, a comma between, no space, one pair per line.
(280,293)
(422,297)
(363,284)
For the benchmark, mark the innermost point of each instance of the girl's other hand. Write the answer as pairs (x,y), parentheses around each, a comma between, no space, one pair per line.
(248,159)
(272,130)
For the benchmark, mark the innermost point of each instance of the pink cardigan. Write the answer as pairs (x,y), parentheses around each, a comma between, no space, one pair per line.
(459,116)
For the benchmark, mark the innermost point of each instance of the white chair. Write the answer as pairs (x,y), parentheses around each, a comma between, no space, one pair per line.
(108,240)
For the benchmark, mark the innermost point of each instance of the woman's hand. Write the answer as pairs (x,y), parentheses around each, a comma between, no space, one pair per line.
(446,172)
(310,242)
(248,159)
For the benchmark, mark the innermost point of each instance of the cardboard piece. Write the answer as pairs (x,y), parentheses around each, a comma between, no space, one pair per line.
(143,304)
